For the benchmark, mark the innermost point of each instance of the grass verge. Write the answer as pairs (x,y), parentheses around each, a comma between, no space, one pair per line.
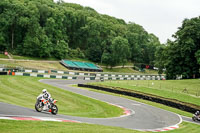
(13,126)
(18,89)
(3,56)
(53,64)
(129,70)
(182,90)
(40,65)
(177,111)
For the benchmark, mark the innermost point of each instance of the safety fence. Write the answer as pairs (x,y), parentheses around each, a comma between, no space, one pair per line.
(91,76)
(47,71)
(133,77)
(41,75)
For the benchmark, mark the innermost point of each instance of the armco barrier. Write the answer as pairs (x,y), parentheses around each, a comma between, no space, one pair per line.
(169,102)
(3,73)
(96,75)
(44,76)
(123,78)
(45,71)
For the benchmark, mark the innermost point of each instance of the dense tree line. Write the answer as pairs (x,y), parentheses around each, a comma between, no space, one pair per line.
(182,56)
(43,28)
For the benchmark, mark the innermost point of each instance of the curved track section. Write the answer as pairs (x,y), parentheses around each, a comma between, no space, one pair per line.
(144,117)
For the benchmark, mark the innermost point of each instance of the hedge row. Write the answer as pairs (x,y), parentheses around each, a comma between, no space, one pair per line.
(166,101)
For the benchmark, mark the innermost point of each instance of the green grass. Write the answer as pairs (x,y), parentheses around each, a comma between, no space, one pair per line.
(121,70)
(40,65)
(128,70)
(32,58)
(13,126)
(172,89)
(23,91)
(177,111)
(3,56)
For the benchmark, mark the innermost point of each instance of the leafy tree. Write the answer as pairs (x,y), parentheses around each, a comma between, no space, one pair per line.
(61,50)
(119,52)
(160,58)
(152,45)
(181,57)
(43,28)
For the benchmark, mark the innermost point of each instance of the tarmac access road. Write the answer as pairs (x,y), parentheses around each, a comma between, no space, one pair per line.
(142,117)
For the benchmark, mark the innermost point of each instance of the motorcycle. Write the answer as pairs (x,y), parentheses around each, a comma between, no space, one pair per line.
(196,117)
(43,104)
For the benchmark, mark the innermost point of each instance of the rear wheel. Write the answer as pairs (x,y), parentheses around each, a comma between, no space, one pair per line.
(54,110)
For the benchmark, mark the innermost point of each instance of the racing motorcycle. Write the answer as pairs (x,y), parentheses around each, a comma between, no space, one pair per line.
(43,104)
(196,117)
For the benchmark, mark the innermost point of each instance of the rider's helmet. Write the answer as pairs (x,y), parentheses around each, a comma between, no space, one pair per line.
(198,112)
(44,91)
(45,95)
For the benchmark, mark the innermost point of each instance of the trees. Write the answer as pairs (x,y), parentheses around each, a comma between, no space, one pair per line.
(119,52)
(181,57)
(42,28)
(188,41)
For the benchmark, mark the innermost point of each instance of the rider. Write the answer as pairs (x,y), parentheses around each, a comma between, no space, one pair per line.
(197,114)
(46,95)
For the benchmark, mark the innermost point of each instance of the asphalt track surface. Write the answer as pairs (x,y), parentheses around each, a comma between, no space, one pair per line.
(143,117)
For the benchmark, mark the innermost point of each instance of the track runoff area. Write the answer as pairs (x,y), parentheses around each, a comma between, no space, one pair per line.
(137,116)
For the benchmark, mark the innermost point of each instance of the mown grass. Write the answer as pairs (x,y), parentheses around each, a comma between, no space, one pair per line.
(23,91)
(182,90)
(129,70)
(32,58)
(40,65)
(3,56)
(12,126)
(48,64)
(171,109)
(121,70)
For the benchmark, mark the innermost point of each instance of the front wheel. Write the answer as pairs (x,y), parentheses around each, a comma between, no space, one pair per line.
(38,108)
(54,110)
(193,118)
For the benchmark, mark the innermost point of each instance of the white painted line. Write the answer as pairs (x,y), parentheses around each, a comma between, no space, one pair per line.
(48,119)
(98,74)
(82,74)
(7,118)
(35,118)
(58,76)
(33,74)
(97,78)
(69,78)
(46,76)
(18,73)
(71,73)
(136,104)
(87,78)
(28,71)
(41,71)
(61,72)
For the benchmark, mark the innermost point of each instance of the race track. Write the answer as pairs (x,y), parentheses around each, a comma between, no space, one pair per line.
(142,117)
